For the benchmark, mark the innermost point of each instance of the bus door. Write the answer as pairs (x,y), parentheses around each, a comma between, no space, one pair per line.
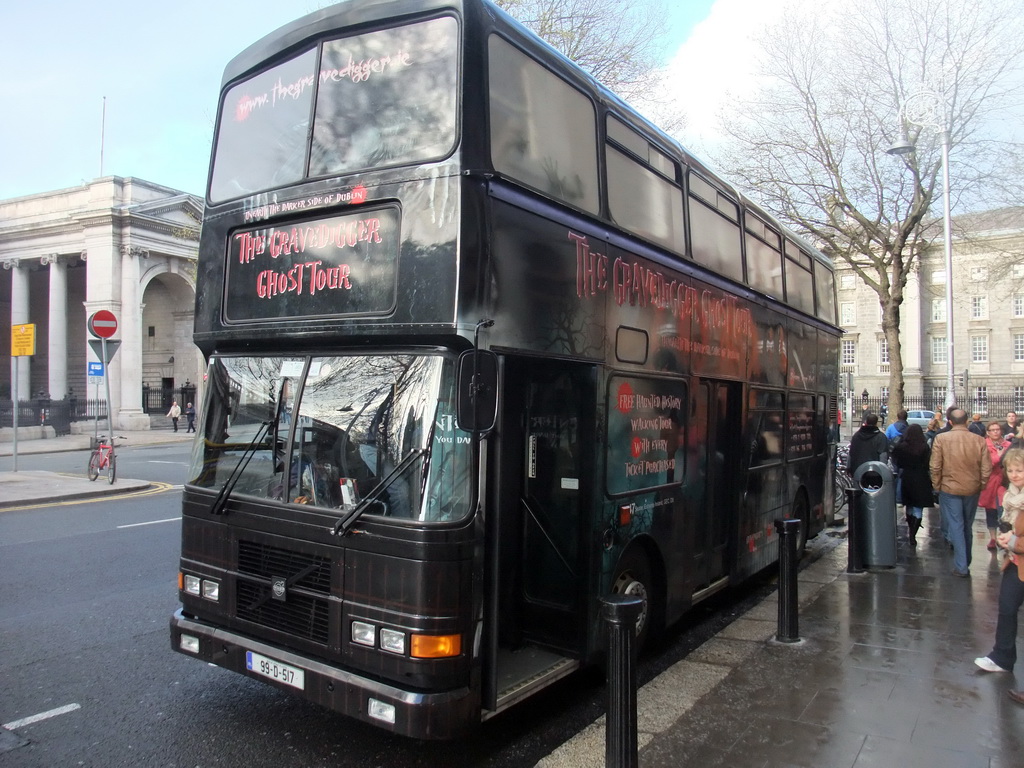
(546,448)
(715,437)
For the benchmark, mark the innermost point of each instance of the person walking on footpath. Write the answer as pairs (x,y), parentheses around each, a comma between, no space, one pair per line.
(174,414)
(989,499)
(960,468)
(976,426)
(867,444)
(1011,589)
(895,431)
(190,418)
(911,457)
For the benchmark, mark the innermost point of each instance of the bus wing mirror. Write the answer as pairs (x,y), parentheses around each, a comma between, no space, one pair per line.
(478,390)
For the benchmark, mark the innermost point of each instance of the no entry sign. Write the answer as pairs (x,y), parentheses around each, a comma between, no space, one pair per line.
(102,324)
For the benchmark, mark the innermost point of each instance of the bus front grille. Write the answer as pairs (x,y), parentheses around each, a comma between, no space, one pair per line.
(303,611)
(300,615)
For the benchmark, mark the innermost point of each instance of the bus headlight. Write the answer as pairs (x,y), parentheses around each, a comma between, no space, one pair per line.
(192,584)
(392,640)
(211,589)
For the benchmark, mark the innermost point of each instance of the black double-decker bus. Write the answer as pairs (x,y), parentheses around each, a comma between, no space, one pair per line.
(484,345)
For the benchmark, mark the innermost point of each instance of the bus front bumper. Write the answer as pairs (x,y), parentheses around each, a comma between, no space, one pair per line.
(441,715)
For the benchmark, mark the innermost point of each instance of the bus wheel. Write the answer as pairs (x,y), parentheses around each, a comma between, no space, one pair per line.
(633,577)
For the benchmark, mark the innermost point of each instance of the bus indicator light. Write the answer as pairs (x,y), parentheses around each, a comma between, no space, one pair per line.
(625,515)
(435,646)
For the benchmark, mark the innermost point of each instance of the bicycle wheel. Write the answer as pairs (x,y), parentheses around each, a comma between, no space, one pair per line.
(94,465)
(111,468)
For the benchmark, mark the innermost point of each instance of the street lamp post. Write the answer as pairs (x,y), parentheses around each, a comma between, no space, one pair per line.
(928,103)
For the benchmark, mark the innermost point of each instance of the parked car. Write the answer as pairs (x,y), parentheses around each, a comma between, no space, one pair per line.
(920,417)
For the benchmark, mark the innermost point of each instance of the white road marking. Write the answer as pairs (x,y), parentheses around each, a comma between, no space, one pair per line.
(16,724)
(151,522)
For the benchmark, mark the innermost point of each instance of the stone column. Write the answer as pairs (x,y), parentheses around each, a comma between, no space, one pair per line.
(131,416)
(910,334)
(57,343)
(19,316)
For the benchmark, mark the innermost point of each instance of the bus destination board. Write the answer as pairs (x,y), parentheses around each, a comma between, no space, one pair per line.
(337,266)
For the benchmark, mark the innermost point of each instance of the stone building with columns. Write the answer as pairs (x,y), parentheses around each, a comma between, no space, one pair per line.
(121,244)
(988,321)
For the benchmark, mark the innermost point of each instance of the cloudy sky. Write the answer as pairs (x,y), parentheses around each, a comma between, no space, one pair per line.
(159,67)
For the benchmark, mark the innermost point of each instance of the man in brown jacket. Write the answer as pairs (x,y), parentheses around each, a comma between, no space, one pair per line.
(960,467)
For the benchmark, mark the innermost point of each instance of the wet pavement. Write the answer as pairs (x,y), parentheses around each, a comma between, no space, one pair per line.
(883,676)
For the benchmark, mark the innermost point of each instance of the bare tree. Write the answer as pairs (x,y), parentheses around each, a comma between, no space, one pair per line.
(618,41)
(811,143)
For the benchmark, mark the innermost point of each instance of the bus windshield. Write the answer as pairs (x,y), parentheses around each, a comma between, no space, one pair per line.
(383,98)
(341,430)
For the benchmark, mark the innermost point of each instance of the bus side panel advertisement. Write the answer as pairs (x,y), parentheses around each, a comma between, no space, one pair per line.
(337,266)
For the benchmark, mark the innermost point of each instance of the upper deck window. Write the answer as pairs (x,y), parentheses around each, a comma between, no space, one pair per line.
(383,98)
(387,98)
(261,141)
(543,131)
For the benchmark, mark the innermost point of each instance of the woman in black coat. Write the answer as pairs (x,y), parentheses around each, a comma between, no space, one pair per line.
(911,456)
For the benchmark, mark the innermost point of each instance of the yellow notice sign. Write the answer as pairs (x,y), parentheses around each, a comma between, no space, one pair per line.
(23,340)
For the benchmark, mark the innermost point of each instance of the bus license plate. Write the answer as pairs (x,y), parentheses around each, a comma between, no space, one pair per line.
(275,670)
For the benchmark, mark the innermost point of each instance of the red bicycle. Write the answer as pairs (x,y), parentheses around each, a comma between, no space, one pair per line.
(102,459)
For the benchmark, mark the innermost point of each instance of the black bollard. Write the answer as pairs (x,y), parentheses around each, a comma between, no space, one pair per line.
(789,610)
(620,613)
(855,559)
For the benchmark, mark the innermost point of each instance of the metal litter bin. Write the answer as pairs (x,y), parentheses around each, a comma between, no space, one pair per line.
(876,514)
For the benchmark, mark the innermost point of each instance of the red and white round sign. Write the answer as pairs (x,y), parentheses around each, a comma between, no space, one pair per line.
(102,324)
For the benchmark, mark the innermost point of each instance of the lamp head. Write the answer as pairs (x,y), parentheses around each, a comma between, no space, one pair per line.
(903,146)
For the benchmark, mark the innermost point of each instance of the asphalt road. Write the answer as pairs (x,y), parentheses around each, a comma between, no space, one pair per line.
(88,589)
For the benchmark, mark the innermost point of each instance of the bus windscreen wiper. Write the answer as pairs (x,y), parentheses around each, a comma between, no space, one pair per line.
(250,450)
(345,524)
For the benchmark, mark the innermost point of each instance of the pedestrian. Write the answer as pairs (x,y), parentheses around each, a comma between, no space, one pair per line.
(190,415)
(976,426)
(1010,426)
(895,431)
(960,468)
(883,412)
(933,428)
(989,498)
(867,444)
(911,456)
(174,414)
(1011,589)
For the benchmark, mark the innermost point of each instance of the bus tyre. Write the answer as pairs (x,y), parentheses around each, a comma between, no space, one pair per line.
(633,577)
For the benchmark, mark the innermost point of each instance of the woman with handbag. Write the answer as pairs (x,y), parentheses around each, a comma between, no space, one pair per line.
(910,457)
(989,498)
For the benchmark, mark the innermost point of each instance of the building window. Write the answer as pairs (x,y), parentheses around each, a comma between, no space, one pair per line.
(849,352)
(939,396)
(1018,271)
(938,310)
(847,281)
(1018,347)
(847,313)
(939,350)
(1018,305)
(979,307)
(883,351)
(979,274)
(1018,398)
(979,349)
(939,277)
(981,399)
(885,394)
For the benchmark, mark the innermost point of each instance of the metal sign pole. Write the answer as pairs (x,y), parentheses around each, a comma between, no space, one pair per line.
(17,374)
(106,381)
